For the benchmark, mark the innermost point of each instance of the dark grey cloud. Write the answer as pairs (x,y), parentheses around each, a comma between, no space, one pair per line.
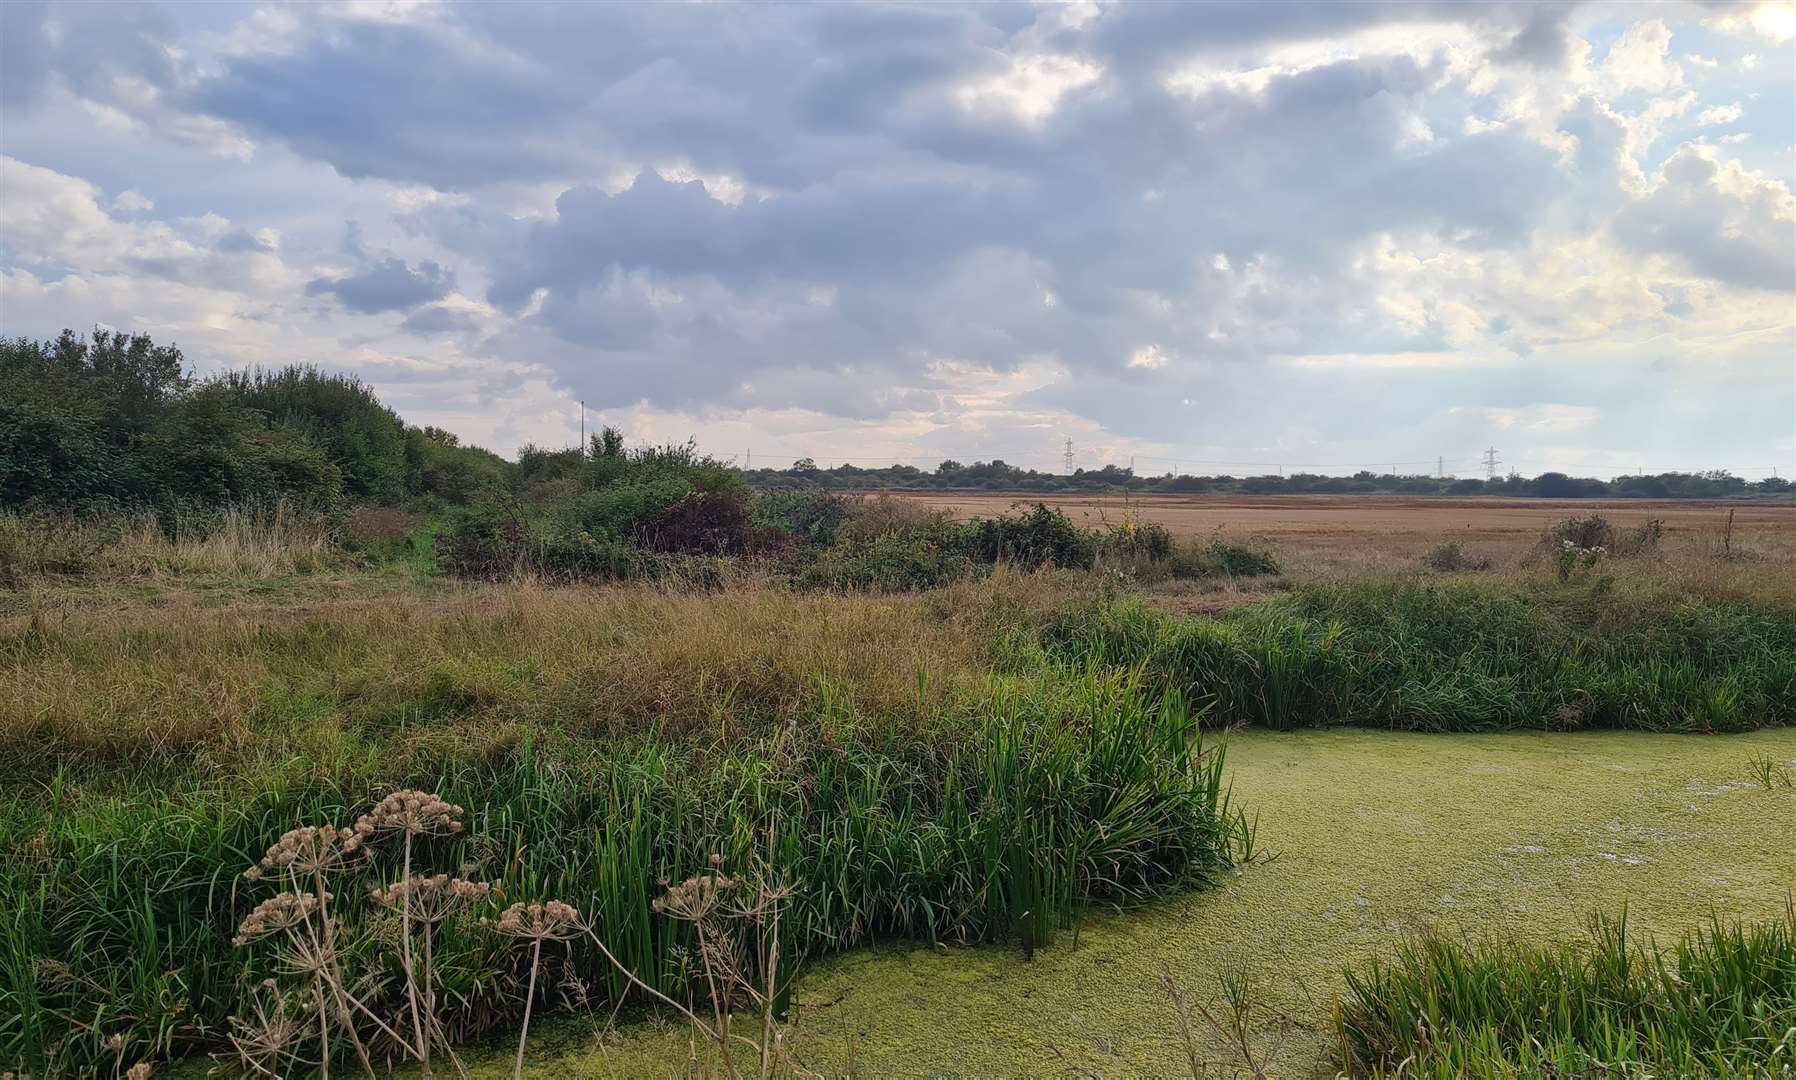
(1740,239)
(388,284)
(438,319)
(893,195)
(240,241)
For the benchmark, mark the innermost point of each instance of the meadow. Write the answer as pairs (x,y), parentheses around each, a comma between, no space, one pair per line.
(1087,790)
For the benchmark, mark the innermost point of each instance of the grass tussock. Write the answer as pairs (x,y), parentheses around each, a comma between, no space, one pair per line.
(1719,1003)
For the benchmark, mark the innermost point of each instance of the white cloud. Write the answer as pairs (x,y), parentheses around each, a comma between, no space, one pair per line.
(949,229)
(132,201)
(1030,87)
(1543,417)
(1148,358)
(1640,60)
(1721,114)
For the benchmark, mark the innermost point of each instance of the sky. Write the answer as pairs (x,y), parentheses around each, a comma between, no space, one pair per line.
(1217,237)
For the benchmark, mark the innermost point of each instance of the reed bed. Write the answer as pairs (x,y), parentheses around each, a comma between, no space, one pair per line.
(1719,1003)
(1022,806)
(1460,656)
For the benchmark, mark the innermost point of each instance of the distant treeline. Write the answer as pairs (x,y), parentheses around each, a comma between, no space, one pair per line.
(108,419)
(998,476)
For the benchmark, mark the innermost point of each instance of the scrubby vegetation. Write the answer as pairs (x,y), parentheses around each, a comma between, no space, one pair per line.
(1719,1003)
(887,723)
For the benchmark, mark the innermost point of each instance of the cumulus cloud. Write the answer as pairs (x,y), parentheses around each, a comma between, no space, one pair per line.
(924,223)
(1719,219)
(1720,114)
(388,284)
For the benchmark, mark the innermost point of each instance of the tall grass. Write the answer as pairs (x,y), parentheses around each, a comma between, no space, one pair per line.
(474,673)
(1719,1003)
(1022,806)
(238,542)
(1460,656)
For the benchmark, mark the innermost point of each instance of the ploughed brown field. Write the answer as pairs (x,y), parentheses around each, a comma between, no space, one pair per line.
(1346,531)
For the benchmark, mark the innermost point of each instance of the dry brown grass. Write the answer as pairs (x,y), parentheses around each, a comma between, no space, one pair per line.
(233,543)
(478,670)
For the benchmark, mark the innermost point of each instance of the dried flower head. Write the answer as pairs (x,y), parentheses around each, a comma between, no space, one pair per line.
(413,812)
(139,1071)
(280,912)
(308,850)
(696,897)
(430,898)
(266,1038)
(552,921)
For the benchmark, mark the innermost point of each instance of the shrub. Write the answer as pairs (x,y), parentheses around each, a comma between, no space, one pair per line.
(1642,539)
(1038,536)
(866,518)
(1219,558)
(890,562)
(813,517)
(1450,557)
(704,523)
(1583,532)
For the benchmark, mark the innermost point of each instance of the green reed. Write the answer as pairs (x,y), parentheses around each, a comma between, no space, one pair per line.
(1721,1002)
(1028,803)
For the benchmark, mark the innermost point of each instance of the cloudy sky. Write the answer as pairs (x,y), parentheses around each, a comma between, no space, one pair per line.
(1219,234)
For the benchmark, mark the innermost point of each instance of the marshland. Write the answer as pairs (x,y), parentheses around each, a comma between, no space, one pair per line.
(384,753)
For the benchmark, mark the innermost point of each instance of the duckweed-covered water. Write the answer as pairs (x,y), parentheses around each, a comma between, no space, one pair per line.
(1377,834)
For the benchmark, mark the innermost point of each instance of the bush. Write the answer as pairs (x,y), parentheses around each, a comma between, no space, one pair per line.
(1451,558)
(1642,539)
(866,518)
(1219,558)
(1038,536)
(812,517)
(1583,532)
(891,562)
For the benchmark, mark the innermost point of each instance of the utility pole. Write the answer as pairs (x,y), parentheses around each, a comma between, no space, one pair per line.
(748,459)
(1490,463)
(583,429)
(1440,467)
(1067,455)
